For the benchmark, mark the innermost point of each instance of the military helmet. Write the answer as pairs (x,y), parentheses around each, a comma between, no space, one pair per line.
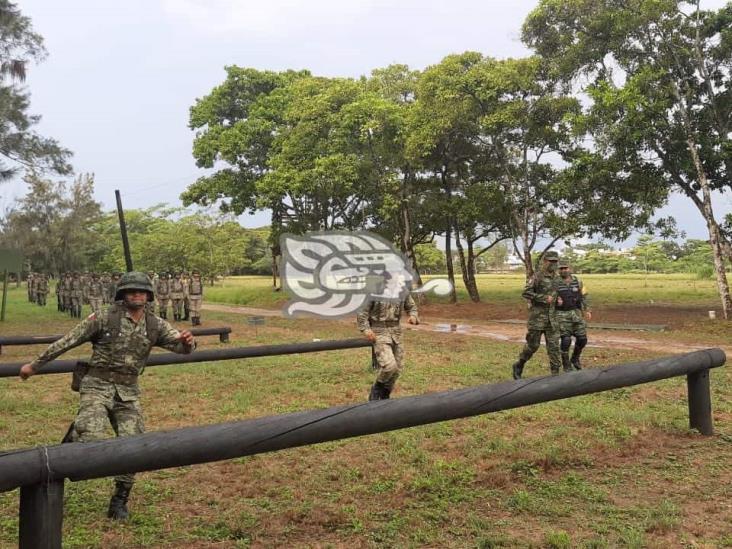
(564,263)
(134,281)
(552,255)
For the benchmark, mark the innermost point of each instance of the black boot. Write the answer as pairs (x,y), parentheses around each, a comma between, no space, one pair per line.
(118,504)
(163,315)
(379,391)
(576,361)
(518,368)
(565,363)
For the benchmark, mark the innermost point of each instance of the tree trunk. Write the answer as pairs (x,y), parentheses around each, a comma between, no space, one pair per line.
(467,268)
(448,239)
(406,233)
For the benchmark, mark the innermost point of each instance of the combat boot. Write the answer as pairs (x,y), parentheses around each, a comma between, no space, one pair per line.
(518,368)
(576,361)
(164,315)
(118,504)
(566,364)
(379,391)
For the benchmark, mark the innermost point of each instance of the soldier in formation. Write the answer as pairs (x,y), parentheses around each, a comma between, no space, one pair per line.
(572,309)
(95,293)
(379,322)
(40,287)
(541,293)
(177,290)
(186,279)
(31,291)
(162,291)
(195,297)
(122,338)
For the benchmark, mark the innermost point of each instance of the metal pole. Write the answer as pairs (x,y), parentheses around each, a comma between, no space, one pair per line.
(123,230)
(700,402)
(203,444)
(11,369)
(41,515)
(5,295)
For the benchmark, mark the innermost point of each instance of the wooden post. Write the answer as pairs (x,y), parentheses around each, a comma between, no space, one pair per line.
(41,515)
(5,294)
(700,402)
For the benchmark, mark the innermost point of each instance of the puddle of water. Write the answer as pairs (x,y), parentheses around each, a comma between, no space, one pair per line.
(457,328)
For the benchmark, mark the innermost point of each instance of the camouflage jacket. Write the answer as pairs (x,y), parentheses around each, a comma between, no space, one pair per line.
(126,354)
(382,317)
(541,286)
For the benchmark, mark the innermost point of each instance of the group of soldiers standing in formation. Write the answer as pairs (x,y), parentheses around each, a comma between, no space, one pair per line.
(182,292)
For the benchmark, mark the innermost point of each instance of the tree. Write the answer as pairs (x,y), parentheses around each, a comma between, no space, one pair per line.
(20,146)
(51,224)
(657,75)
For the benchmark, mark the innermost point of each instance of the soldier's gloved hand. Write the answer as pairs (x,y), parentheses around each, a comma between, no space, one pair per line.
(370,335)
(26,371)
(413,320)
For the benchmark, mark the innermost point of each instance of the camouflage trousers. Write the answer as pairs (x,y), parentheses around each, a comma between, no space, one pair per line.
(163,303)
(103,403)
(178,306)
(572,323)
(195,305)
(547,324)
(389,355)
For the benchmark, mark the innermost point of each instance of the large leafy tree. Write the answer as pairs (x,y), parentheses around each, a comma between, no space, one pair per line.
(51,224)
(657,75)
(20,146)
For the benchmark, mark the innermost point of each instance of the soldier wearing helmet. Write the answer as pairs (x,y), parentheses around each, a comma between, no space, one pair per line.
(122,338)
(541,294)
(572,308)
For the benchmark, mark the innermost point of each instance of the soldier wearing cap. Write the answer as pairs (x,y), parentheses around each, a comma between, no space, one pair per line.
(122,338)
(177,293)
(541,294)
(572,308)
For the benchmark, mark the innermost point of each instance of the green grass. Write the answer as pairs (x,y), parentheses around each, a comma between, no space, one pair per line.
(616,469)
(605,289)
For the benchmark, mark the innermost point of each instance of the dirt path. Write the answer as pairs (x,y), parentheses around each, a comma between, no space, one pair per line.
(513,332)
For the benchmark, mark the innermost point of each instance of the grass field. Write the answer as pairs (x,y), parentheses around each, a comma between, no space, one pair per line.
(617,469)
(255,291)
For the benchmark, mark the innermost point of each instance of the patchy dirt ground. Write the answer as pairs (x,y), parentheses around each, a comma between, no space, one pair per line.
(681,334)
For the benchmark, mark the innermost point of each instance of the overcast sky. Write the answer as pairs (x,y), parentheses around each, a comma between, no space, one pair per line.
(121,76)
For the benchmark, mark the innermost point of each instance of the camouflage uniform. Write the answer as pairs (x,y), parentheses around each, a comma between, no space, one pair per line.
(195,297)
(110,391)
(31,292)
(162,292)
(41,289)
(66,292)
(59,299)
(95,293)
(382,318)
(77,295)
(570,313)
(186,298)
(542,317)
(177,290)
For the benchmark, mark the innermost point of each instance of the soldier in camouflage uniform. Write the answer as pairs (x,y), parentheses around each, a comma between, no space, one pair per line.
(162,291)
(194,291)
(106,281)
(541,293)
(113,286)
(572,308)
(95,293)
(177,290)
(77,294)
(121,338)
(66,292)
(379,322)
(41,289)
(31,291)
(59,299)
(186,279)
